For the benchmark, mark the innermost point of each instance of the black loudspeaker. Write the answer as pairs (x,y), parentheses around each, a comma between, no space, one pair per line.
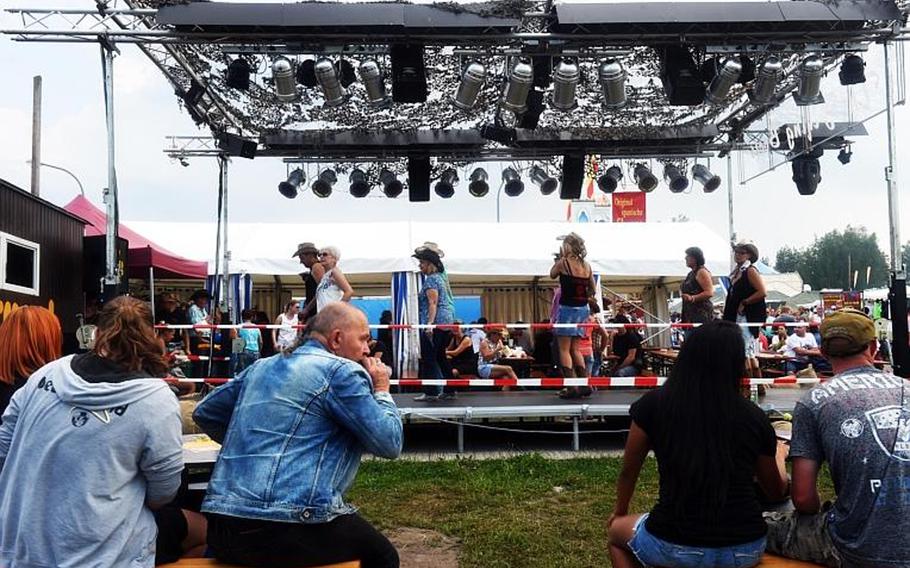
(418,179)
(573,176)
(94,266)
(409,75)
(531,117)
(807,174)
(236,146)
(681,77)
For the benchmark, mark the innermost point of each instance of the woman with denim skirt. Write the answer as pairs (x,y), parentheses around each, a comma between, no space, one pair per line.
(710,443)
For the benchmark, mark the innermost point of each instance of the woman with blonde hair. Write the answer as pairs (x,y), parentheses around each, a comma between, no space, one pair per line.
(334,286)
(31,338)
(89,448)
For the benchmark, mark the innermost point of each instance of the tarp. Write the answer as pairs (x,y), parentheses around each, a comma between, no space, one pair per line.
(143,253)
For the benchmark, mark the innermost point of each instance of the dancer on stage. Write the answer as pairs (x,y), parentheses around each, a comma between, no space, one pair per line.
(746,301)
(696,290)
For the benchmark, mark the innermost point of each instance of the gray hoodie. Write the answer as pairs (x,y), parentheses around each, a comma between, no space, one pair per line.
(80,460)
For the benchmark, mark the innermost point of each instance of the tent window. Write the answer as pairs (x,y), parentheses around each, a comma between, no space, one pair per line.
(19,263)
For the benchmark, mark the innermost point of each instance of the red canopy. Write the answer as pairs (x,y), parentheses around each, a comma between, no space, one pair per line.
(143,253)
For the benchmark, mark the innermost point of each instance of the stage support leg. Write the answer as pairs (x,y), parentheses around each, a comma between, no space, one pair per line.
(576,441)
(461,436)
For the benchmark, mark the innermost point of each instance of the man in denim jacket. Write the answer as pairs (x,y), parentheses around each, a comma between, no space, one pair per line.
(293,428)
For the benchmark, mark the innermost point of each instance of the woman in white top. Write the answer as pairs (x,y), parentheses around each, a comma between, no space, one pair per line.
(286,335)
(334,286)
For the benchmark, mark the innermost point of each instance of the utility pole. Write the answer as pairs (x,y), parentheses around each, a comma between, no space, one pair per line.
(36,135)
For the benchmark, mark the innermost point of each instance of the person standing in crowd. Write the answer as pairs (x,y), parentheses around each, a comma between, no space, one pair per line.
(30,337)
(746,301)
(170,313)
(334,286)
(859,423)
(697,290)
(460,353)
(250,343)
(627,349)
(710,443)
(308,255)
(91,456)
(576,285)
(285,336)
(435,305)
(198,314)
(385,334)
(293,429)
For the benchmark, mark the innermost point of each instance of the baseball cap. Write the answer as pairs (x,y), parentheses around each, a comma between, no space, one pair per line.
(846,332)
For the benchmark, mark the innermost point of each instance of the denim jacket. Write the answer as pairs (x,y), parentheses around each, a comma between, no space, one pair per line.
(293,428)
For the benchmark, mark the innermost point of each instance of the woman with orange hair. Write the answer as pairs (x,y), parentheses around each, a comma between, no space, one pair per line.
(31,338)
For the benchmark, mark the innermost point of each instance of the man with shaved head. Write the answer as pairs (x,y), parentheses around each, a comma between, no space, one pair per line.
(293,428)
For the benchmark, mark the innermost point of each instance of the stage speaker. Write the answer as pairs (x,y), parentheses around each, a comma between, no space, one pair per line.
(681,77)
(409,75)
(573,176)
(236,146)
(419,179)
(531,117)
(94,267)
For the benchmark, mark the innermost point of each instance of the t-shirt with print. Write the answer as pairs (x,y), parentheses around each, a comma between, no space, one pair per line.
(859,422)
(795,341)
(445,305)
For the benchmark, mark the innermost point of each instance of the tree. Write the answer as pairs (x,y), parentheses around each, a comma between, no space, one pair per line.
(787,260)
(905,254)
(832,259)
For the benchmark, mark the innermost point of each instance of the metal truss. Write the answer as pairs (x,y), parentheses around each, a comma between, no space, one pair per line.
(182,147)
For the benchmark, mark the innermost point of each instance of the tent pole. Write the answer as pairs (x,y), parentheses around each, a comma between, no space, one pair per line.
(226,303)
(152,290)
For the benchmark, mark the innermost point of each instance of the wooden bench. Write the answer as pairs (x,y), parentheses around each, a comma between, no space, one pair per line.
(212,563)
(771,561)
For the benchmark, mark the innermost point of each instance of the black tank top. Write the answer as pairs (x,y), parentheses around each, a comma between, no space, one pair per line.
(739,291)
(573,289)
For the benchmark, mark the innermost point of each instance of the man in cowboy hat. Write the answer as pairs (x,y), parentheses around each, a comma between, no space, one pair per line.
(307,253)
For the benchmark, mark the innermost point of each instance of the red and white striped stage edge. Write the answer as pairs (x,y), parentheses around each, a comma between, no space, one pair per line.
(557,382)
(201,358)
(487,326)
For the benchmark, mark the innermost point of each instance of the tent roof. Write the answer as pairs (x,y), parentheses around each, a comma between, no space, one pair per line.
(143,253)
(489,252)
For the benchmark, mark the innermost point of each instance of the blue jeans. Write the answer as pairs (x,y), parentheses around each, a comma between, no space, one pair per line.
(627,371)
(433,361)
(242,360)
(652,551)
(598,363)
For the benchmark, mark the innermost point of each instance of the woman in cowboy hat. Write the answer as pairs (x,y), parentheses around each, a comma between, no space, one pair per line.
(435,306)
(746,301)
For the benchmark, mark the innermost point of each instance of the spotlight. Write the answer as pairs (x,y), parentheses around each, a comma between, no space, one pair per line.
(765,84)
(807,173)
(610,180)
(391,187)
(515,98)
(479,186)
(238,74)
(565,81)
(612,79)
(360,187)
(306,73)
(723,82)
(680,77)
(445,187)
(371,75)
(844,156)
(645,180)
(471,82)
(409,76)
(810,80)
(852,70)
(675,179)
(703,175)
(322,187)
(283,76)
(295,180)
(497,133)
(327,76)
(547,183)
(346,73)
(512,179)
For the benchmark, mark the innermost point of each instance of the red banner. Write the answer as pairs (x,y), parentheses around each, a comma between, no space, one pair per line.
(629,207)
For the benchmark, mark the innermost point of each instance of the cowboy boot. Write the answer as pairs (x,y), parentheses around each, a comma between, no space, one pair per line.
(568,392)
(582,372)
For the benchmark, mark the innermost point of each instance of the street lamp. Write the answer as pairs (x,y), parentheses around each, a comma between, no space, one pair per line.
(64,170)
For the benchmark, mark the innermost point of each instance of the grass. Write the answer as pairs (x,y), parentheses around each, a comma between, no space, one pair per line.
(525,511)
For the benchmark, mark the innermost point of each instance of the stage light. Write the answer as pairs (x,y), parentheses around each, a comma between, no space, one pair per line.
(479,185)
(283,76)
(547,183)
(515,98)
(610,180)
(612,78)
(844,156)
(409,75)
(445,187)
(471,82)
(391,187)
(327,76)
(766,82)
(306,73)
(810,80)
(360,187)
(807,173)
(675,179)
(645,180)
(512,179)
(371,75)
(680,76)
(322,187)
(703,175)
(565,81)
(238,74)
(295,180)
(497,133)
(852,70)
(723,81)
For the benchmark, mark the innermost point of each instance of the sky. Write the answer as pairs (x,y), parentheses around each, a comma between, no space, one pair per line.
(767,210)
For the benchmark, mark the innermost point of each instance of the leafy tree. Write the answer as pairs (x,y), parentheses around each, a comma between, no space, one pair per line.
(787,260)
(828,261)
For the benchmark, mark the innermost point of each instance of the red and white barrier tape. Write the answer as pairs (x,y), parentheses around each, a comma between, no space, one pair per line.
(556,382)
(486,327)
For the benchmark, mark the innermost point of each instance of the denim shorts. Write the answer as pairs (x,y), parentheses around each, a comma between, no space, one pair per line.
(652,551)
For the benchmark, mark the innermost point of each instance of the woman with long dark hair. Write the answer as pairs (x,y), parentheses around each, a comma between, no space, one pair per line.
(745,302)
(709,443)
(697,289)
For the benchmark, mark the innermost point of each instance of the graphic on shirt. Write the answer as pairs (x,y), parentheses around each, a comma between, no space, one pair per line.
(79,416)
(851,428)
(886,419)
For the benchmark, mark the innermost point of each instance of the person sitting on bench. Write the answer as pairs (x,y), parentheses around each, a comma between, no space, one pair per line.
(293,428)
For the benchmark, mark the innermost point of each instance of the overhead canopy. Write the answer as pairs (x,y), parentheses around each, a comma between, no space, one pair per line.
(475,253)
(143,253)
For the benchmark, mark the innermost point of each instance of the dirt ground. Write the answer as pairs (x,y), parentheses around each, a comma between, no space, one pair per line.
(420,548)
